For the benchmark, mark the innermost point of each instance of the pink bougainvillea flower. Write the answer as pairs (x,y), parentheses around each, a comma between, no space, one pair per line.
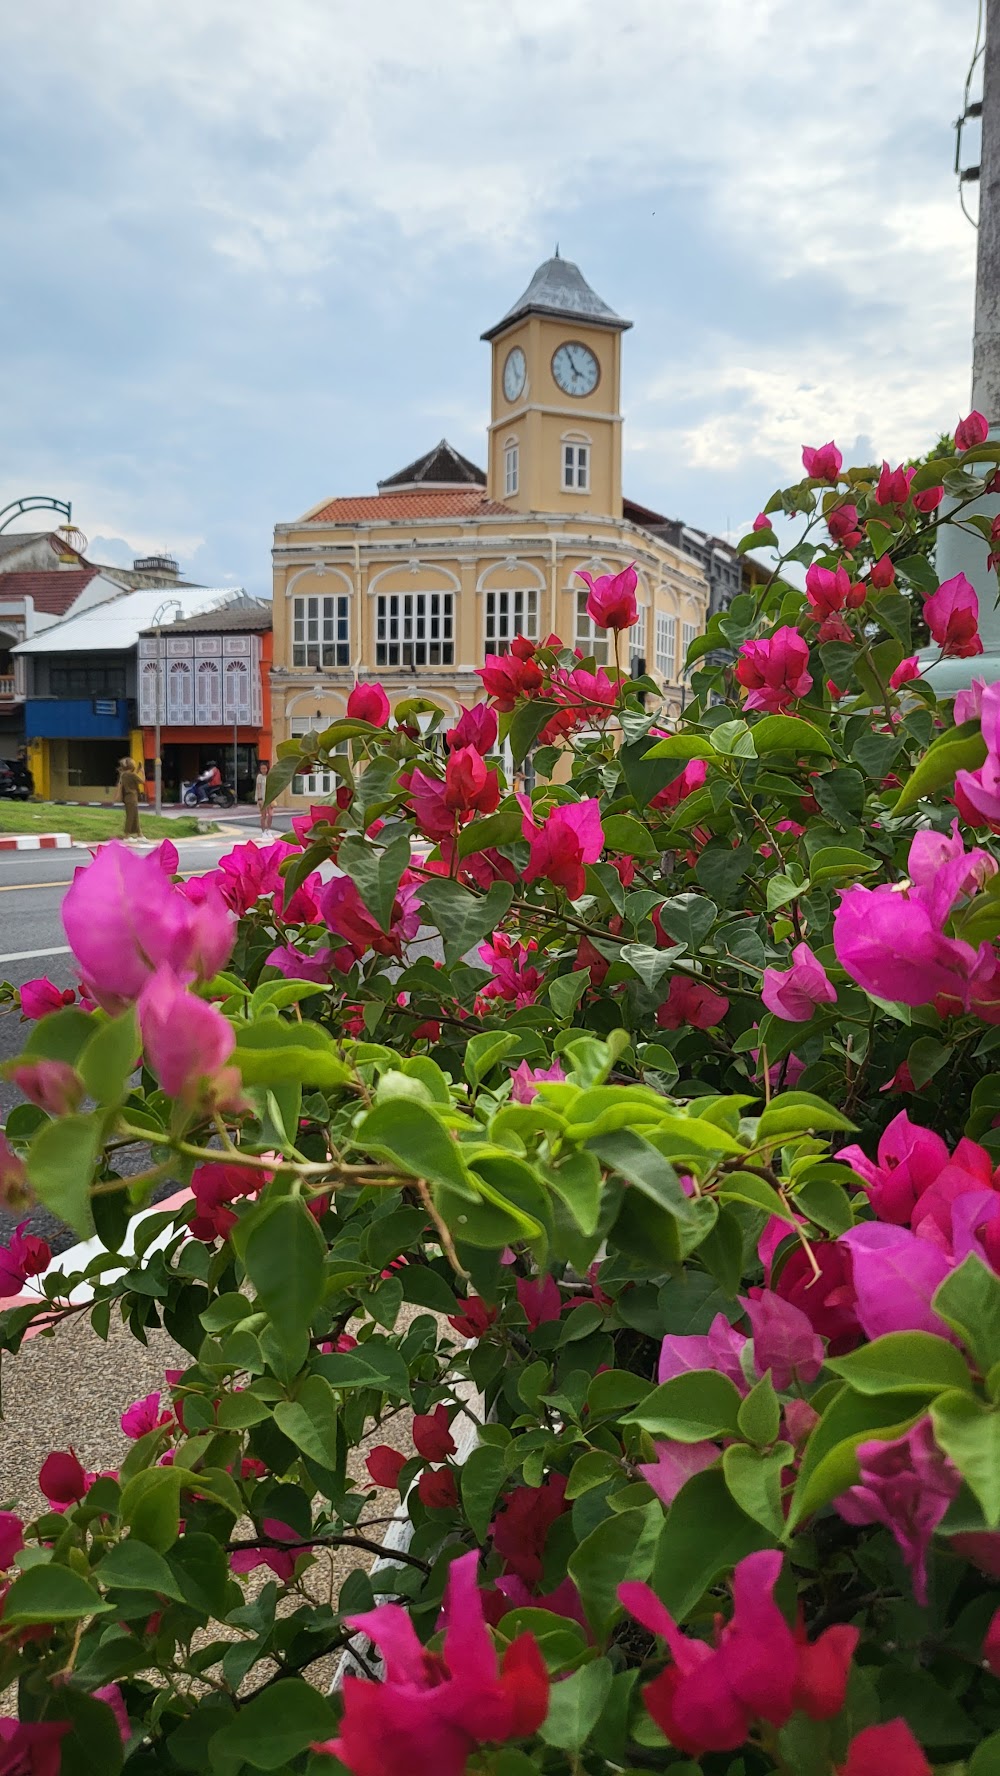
(526,1080)
(63,1480)
(520,1528)
(469,784)
(111,1695)
(831,589)
(11,1538)
(512,964)
(506,677)
(540,1299)
(761,522)
(883,573)
(279,1559)
(474,1318)
(892,946)
(906,670)
(612,602)
(432,1437)
(709,1697)
(842,523)
(720,1348)
(432,1711)
(248,873)
(888,1750)
(369,703)
(968,704)
(296,964)
(346,914)
(476,727)
(906,1484)
(214,1187)
(186,1041)
(437,1490)
(893,487)
(691,1002)
(25,1255)
(909,1159)
(31,1748)
(674,1465)
(54,1086)
(828,1301)
(927,499)
(40,997)
(952,616)
(972,430)
(691,778)
(774,670)
(895,1276)
(795,993)
(144,1416)
(570,837)
(822,462)
(783,1339)
(385,1465)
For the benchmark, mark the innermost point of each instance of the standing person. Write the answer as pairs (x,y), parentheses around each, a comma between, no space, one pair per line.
(260,791)
(129,789)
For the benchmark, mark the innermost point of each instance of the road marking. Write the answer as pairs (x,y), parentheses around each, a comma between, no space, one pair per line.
(29,955)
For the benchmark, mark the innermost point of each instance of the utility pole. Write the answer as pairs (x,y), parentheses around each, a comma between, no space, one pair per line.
(964,551)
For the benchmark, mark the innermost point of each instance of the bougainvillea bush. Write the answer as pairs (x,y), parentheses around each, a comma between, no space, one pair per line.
(617,1161)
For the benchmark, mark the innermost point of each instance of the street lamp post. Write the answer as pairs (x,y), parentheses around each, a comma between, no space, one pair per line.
(160,612)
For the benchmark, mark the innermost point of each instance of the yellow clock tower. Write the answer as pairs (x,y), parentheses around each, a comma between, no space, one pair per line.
(556,425)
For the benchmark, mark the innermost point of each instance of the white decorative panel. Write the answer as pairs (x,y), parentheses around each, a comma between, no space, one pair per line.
(237,691)
(236,644)
(178,647)
(208,697)
(180,699)
(207,646)
(148,676)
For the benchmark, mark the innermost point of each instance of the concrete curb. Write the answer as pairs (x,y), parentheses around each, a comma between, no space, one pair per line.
(77,1257)
(35,842)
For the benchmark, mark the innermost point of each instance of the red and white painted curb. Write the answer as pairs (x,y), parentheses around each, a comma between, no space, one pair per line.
(76,1258)
(35,842)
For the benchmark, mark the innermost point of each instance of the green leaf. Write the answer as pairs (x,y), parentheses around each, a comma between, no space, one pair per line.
(623,832)
(271,1052)
(985,1760)
(721,868)
(482,1477)
(969,1300)
(685,745)
(132,1565)
(109,1058)
(464,919)
(566,991)
(688,919)
(789,733)
(527,723)
(375,873)
(875,752)
(798,1113)
(310,1421)
(60,1166)
(415,1138)
(575,1705)
(649,964)
(504,827)
(747,1187)
(50,1593)
(486,1051)
(274,1726)
(839,863)
(970,1434)
(690,1408)
(960,749)
(280,776)
(150,1506)
(829,1463)
(754,1479)
(284,1261)
(60,1037)
(577,1180)
(705,1535)
(637,1161)
(619,1548)
(901,1362)
(759,1416)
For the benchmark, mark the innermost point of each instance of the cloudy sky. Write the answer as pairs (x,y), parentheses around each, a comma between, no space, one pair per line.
(251,244)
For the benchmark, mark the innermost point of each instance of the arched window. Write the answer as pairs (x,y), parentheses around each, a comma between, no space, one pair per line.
(511,467)
(575,448)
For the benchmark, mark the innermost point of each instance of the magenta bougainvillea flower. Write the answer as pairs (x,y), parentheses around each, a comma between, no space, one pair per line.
(795,993)
(721,1348)
(909,1160)
(612,602)
(783,1339)
(40,997)
(972,430)
(893,487)
(540,1298)
(348,917)
(63,1479)
(144,1416)
(952,616)
(521,1526)
(385,1465)
(476,727)
(774,671)
(691,778)
(895,1275)
(474,1318)
(25,1255)
(432,1437)
(525,1081)
(570,837)
(831,589)
(32,1748)
(842,523)
(906,1484)
(369,703)
(186,1041)
(822,462)
(691,1002)
(214,1187)
(433,1710)
(888,1750)
(674,1465)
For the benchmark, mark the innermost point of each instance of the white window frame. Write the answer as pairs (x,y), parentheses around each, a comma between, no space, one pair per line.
(590,640)
(575,459)
(314,783)
(511,467)
(415,629)
(510,611)
(666,645)
(637,635)
(688,633)
(321,630)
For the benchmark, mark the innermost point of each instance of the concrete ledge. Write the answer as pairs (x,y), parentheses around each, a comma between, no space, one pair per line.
(35,841)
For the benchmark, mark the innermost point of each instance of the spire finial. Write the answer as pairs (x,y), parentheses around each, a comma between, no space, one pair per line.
(556,255)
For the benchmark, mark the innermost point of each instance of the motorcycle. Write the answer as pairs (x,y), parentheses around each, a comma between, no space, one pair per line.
(216,795)
(15,782)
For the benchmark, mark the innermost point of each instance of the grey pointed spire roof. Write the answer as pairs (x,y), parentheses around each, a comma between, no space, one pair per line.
(444,466)
(560,288)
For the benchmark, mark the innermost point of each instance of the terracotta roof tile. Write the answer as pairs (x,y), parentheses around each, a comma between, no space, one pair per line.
(378,508)
(52,592)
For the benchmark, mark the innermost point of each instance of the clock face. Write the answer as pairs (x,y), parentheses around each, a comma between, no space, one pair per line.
(514,373)
(575,368)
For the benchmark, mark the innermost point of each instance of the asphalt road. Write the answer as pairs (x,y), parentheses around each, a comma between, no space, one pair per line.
(33,943)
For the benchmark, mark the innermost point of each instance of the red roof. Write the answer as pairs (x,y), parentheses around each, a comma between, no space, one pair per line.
(53,591)
(375,508)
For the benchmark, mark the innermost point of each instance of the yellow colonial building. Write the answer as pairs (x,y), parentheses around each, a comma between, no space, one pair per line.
(415,584)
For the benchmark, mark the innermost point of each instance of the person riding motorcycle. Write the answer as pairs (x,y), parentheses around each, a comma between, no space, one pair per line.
(209,779)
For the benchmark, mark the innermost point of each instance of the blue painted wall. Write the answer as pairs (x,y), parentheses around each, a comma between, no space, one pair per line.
(71,718)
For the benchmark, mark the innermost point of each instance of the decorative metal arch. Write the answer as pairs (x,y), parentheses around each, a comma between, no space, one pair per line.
(35,502)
